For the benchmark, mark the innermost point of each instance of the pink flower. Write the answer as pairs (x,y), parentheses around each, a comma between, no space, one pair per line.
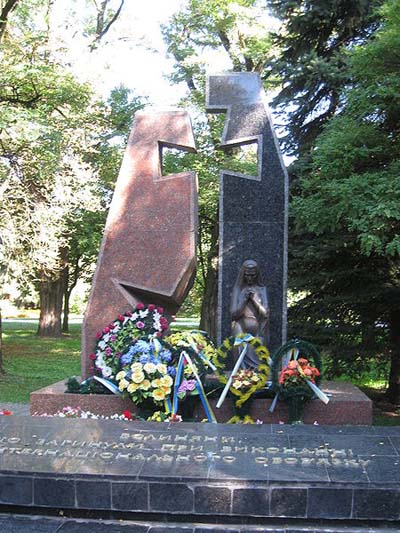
(140,324)
(139,306)
(160,310)
(106,330)
(108,350)
(183,387)
(113,338)
(98,335)
(92,356)
(191,384)
(151,307)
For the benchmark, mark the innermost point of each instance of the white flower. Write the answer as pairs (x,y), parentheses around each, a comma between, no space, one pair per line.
(144,313)
(106,337)
(100,363)
(156,320)
(102,345)
(107,372)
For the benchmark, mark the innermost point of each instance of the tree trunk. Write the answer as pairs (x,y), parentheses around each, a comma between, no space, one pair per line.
(393,391)
(208,321)
(51,297)
(65,322)
(67,295)
(2,371)
(70,281)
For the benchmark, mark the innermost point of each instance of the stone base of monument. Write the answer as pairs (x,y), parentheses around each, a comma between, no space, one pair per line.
(197,478)
(347,405)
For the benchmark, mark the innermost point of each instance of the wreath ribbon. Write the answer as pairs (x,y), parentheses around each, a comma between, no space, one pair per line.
(237,342)
(178,379)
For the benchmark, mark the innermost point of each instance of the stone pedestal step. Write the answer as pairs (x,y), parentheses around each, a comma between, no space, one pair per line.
(11,523)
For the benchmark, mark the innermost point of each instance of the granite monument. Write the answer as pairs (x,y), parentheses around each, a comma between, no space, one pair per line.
(148,252)
(253,209)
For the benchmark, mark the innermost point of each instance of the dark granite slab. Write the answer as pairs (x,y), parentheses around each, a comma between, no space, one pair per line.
(200,470)
(253,209)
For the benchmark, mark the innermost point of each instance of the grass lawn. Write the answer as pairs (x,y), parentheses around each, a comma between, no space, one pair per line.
(31,362)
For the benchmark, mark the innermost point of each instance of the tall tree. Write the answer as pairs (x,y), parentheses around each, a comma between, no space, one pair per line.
(314,39)
(353,191)
(58,151)
(6,7)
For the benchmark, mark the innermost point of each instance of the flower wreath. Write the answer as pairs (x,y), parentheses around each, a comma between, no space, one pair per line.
(306,351)
(116,338)
(262,369)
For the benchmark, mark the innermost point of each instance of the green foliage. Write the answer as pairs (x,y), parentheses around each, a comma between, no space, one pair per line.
(235,27)
(312,62)
(354,184)
(345,213)
(60,152)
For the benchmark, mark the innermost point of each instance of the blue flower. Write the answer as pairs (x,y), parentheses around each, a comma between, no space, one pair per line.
(144,358)
(171,371)
(140,346)
(126,359)
(165,356)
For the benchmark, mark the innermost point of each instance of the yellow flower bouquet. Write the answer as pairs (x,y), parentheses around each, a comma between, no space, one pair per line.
(145,381)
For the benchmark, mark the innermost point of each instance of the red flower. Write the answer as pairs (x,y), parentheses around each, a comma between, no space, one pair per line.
(98,335)
(127,414)
(128,313)
(159,334)
(92,356)
(106,330)
(139,306)
(160,310)
(121,318)
(151,307)
(5,412)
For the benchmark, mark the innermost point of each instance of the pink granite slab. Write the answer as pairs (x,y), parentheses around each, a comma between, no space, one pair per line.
(348,405)
(148,253)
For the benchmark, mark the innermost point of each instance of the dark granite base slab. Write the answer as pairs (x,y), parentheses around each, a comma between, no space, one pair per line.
(347,405)
(40,524)
(212,473)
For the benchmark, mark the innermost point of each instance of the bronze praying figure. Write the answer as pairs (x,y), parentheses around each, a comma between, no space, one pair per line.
(249,308)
